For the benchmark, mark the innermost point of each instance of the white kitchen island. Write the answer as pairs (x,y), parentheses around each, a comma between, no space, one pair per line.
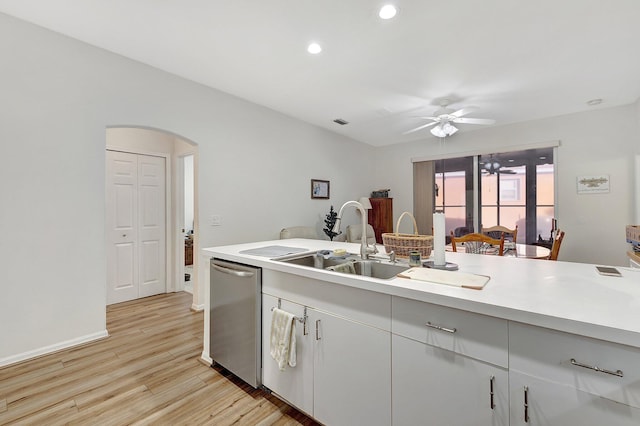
(544,343)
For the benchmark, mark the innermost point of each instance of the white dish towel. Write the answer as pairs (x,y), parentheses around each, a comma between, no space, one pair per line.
(283,338)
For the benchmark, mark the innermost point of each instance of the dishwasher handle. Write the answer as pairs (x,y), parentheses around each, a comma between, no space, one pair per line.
(230,271)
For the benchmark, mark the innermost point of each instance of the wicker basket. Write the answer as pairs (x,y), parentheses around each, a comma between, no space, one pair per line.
(402,244)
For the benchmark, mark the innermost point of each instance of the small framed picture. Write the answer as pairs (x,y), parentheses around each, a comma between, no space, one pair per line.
(320,189)
(593,184)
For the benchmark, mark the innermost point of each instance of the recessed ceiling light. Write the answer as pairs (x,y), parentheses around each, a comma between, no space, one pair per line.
(387,11)
(594,102)
(314,48)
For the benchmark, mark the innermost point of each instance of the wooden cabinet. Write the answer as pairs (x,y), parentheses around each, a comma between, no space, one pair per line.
(558,378)
(381,216)
(449,366)
(343,370)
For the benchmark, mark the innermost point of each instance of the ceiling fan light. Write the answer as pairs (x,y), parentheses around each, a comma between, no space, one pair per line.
(496,165)
(449,129)
(444,129)
(437,131)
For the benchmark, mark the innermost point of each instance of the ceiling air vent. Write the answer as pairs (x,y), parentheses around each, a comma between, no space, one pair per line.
(341,121)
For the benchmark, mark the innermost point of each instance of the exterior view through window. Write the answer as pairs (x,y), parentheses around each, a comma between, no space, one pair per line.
(510,189)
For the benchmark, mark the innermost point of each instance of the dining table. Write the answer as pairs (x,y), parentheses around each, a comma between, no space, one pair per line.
(529,251)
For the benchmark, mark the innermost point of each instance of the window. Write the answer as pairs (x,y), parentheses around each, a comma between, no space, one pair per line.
(516,189)
(509,189)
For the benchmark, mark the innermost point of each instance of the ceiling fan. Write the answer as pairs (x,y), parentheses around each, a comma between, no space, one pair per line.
(443,118)
(493,166)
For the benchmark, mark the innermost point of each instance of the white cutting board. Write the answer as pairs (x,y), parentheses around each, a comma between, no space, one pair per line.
(453,278)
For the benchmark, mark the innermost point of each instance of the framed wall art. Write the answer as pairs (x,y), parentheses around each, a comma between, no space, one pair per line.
(319,189)
(593,184)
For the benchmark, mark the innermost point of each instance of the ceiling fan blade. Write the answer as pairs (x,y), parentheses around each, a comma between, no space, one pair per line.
(424,126)
(426,118)
(474,120)
(463,111)
(506,172)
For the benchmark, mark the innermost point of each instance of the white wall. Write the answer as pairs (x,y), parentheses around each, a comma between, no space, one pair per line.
(58,98)
(597,142)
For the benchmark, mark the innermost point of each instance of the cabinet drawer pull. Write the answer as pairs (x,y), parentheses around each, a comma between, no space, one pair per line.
(595,368)
(526,404)
(492,404)
(438,327)
(304,322)
(318,330)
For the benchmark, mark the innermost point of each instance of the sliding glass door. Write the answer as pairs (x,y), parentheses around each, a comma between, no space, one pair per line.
(454,194)
(509,189)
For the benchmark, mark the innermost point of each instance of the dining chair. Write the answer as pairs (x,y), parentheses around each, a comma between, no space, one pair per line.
(555,248)
(478,243)
(494,232)
(308,232)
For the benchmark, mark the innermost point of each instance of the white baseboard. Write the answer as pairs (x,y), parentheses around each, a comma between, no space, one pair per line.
(197,308)
(53,348)
(206,358)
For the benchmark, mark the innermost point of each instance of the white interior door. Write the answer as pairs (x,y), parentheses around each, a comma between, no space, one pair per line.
(151,221)
(135,221)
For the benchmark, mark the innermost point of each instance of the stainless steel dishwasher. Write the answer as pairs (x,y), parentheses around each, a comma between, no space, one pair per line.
(236,319)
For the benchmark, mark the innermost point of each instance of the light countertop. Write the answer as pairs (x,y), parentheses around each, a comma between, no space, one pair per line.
(565,296)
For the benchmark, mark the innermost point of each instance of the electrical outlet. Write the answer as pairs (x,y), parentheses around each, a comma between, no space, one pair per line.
(216,220)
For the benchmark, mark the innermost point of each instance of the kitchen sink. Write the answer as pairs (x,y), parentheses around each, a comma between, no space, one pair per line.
(367,268)
(376,269)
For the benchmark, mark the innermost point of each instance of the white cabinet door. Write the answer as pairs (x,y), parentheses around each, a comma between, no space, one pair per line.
(555,404)
(294,384)
(433,386)
(352,381)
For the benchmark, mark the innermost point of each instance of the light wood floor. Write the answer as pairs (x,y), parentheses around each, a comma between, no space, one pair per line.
(147,372)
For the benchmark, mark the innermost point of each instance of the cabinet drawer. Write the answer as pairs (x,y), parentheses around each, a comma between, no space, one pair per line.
(595,366)
(474,335)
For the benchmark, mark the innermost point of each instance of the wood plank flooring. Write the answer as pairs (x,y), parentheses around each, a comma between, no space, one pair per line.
(147,372)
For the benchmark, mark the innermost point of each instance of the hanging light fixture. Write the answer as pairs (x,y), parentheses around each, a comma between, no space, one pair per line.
(444,129)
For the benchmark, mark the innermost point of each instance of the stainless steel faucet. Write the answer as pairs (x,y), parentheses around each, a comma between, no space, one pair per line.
(365,250)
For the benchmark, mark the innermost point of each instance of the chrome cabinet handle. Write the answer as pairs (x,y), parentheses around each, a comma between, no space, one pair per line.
(318,330)
(617,373)
(526,404)
(492,379)
(304,322)
(232,271)
(438,327)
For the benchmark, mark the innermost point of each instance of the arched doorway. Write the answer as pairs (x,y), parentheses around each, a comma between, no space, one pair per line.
(171,149)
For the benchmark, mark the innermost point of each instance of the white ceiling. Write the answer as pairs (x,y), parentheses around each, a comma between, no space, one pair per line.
(514,60)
